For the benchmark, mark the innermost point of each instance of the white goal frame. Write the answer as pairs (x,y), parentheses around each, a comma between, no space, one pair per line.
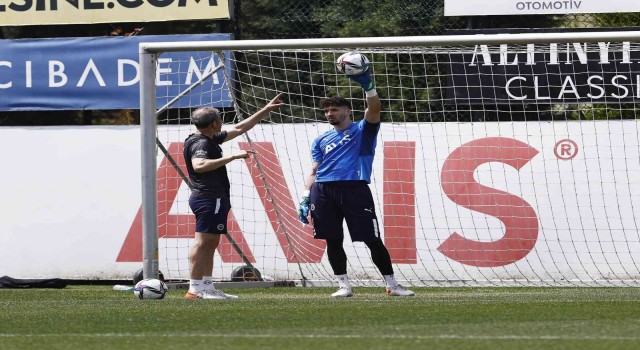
(148,54)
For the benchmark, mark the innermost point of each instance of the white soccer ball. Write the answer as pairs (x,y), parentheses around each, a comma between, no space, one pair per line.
(352,63)
(150,288)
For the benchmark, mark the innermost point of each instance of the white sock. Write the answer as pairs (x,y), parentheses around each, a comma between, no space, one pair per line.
(207,282)
(196,286)
(343,281)
(391,281)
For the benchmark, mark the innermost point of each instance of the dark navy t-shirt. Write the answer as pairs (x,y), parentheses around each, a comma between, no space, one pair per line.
(215,182)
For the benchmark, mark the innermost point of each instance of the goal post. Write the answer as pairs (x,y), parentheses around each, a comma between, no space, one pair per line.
(503,159)
(148,121)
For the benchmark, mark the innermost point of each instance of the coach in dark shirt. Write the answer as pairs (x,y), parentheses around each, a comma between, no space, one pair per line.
(209,199)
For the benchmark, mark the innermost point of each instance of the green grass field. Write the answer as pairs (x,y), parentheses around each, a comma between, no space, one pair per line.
(96,317)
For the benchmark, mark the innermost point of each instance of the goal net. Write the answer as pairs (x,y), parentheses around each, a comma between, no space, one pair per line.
(501,159)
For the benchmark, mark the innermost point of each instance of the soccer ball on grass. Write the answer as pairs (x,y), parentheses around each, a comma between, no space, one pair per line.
(352,63)
(150,288)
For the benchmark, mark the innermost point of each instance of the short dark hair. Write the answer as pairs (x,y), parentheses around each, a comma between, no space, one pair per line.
(335,101)
(203,117)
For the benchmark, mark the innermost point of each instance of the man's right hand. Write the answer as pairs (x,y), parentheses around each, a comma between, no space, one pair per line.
(303,209)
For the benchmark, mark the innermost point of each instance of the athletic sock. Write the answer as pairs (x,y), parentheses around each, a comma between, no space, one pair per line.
(391,281)
(196,286)
(343,281)
(207,282)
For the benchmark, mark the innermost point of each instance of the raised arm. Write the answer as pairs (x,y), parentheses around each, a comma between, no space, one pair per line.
(246,125)
(374,107)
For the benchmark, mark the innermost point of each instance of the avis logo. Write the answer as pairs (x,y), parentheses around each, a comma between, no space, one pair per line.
(457,181)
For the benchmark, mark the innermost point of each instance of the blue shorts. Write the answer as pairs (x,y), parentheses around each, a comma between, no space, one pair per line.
(211,213)
(334,202)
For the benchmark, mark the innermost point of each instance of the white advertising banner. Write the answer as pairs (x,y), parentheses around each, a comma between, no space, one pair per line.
(536,7)
(543,200)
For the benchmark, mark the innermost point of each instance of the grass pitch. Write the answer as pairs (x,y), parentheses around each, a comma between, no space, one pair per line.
(96,317)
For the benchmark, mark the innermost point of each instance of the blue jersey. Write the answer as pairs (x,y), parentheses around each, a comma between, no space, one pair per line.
(346,154)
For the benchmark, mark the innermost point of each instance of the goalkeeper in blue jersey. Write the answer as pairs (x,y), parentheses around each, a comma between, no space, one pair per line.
(337,188)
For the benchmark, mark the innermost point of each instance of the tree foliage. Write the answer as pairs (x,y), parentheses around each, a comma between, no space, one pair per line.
(278,19)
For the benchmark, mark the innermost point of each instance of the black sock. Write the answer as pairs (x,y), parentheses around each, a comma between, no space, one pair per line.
(380,256)
(337,256)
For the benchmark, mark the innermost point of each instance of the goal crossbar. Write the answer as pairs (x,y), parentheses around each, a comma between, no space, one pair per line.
(485,39)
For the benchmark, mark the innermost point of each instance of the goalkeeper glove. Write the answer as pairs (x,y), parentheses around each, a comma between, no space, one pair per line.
(303,208)
(364,79)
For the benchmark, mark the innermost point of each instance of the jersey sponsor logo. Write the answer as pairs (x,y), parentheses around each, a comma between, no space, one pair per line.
(330,147)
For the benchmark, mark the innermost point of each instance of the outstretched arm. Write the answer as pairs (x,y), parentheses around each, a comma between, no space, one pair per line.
(246,125)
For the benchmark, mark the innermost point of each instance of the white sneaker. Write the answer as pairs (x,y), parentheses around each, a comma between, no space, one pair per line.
(343,292)
(399,291)
(228,296)
(205,294)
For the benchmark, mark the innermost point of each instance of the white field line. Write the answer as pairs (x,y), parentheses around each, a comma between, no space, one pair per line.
(325,336)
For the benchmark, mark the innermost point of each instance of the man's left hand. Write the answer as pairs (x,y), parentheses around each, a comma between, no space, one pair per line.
(364,79)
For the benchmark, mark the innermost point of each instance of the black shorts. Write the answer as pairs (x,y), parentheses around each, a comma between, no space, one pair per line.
(334,202)
(211,213)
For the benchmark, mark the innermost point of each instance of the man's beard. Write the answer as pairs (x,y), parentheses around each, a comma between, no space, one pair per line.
(338,120)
